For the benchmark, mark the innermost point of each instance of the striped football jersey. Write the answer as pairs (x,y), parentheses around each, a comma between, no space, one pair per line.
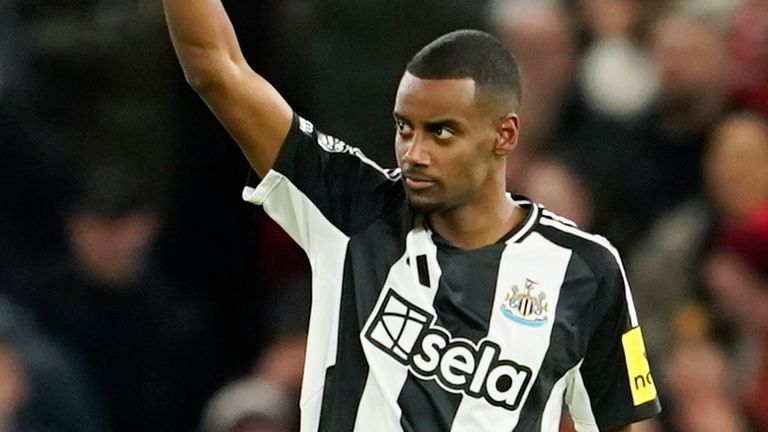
(409,333)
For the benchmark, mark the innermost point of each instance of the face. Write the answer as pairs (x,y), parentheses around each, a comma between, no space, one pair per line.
(110,250)
(737,166)
(545,49)
(447,146)
(690,58)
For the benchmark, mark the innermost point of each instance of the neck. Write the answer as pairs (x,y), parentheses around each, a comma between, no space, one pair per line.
(479,224)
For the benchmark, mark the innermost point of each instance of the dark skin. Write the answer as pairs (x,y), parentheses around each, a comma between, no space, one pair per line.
(452,151)
(451,141)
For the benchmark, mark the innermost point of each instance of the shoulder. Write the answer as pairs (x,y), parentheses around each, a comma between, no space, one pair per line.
(303,132)
(595,251)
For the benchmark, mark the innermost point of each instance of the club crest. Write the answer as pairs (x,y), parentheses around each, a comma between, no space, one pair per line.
(526,306)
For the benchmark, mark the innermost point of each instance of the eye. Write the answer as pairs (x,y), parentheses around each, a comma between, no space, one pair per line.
(402,127)
(442,132)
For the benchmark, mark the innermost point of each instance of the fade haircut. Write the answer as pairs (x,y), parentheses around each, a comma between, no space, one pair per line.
(475,55)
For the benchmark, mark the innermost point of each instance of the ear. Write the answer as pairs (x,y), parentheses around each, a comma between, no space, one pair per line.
(508,132)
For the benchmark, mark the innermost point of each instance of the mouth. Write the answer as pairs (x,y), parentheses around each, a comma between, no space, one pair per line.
(417,183)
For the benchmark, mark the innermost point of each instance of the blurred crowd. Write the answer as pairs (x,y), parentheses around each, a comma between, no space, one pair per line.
(137,293)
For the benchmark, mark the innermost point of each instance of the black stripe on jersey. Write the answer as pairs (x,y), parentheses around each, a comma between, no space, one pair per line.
(345,381)
(558,361)
(423,270)
(463,306)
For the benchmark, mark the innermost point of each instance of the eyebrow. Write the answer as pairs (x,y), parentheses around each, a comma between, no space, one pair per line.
(432,124)
(398,116)
(451,124)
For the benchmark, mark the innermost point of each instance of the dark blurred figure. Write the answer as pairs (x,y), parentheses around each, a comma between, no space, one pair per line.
(41,388)
(690,55)
(139,337)
(31,179)
(101,66)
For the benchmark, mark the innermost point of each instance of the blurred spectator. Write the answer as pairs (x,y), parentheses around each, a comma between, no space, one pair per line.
(737,269)
(282,362)
(667,264)
(737,180)
(101,75)
(41,388)
(690,56)
(32,195)
(12,386)
(698,382)
(749,54)
(690,53)
(30,174)
(544,42)
(616,72)
(250,405)
(681,263)
(140,338)
(657,165)
(557,123)
(665,269)
(556,186)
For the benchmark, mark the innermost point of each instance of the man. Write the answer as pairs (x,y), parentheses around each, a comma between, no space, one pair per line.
(439,302)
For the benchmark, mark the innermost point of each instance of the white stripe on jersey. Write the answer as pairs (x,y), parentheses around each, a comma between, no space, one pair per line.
(384,375)
(531,221)
(287,206)
(536,259)
(558,218)
(553,410)
(602,241)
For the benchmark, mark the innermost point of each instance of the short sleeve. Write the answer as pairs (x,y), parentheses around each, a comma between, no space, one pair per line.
(613,386)
(320,180)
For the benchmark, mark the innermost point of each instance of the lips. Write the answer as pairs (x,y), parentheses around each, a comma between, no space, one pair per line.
(418,182)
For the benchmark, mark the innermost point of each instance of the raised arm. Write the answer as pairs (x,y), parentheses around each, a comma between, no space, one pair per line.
(253,112)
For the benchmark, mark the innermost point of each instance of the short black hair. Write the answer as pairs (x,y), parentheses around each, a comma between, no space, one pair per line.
(471,54)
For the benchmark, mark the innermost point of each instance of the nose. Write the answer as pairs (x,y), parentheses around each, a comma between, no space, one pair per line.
(416,153)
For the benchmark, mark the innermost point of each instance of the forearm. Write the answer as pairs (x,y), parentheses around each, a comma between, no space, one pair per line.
(253,112)
(204,40)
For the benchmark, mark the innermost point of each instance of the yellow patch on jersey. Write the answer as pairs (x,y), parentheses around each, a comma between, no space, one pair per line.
(639,371)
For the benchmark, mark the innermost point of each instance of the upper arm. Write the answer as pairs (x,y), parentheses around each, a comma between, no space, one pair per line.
(613,384)
(252,111)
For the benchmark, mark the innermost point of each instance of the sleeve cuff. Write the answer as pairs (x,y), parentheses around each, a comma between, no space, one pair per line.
(259,194)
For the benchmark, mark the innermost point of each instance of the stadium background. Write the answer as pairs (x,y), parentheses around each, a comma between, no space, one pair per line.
(137,292)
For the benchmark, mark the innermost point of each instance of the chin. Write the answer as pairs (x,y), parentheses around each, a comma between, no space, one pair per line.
(425,206)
